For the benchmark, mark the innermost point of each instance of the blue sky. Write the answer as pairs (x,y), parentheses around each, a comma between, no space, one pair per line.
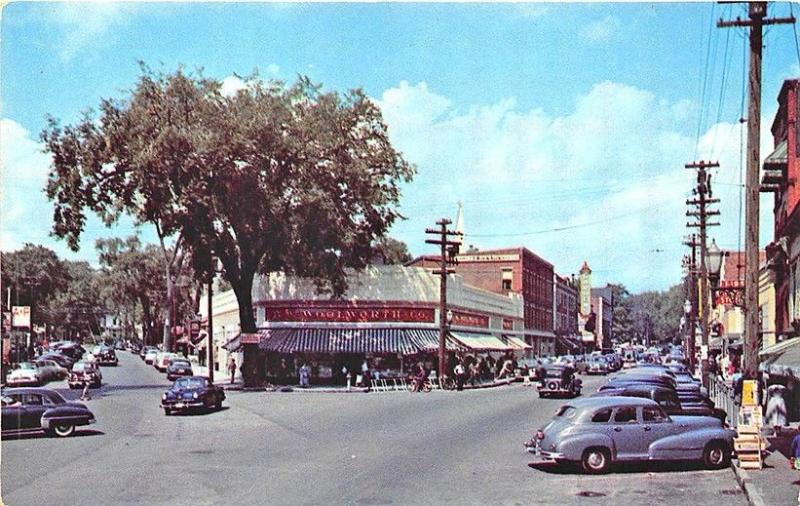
(561,127)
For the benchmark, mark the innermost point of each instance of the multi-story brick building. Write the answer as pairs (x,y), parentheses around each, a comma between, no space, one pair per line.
(565,307)
(516,270)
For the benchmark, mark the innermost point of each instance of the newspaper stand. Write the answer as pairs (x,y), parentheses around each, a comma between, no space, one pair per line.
(749,444)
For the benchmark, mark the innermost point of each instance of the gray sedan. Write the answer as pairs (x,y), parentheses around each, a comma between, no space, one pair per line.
(599,431)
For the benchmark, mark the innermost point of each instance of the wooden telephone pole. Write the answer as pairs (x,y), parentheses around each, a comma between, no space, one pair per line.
(701,200)
(690,263)
(757,13)
(448,248)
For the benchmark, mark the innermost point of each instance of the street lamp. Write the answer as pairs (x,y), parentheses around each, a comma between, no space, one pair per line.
(714,257)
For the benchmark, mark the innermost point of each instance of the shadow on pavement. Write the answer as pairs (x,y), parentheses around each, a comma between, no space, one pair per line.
(43,435)
(201,412)
(621,468)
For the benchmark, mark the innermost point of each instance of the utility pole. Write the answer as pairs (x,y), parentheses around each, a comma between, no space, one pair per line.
(757,13)
(701,200)
(690,263)
(210,335)
(447,247)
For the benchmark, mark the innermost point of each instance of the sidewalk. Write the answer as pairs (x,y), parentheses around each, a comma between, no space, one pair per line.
(776,483)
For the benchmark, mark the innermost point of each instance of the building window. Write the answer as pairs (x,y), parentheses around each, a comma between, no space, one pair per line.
(508,276)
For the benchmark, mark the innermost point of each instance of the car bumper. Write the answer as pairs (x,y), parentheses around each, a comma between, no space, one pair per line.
(179,405)
(22,382)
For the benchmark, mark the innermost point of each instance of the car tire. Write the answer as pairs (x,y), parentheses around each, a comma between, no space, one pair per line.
(716,455)
(167,411)
(63,430)
(218,404)
(596,460)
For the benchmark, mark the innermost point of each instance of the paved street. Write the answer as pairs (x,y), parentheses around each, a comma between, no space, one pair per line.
(315,448)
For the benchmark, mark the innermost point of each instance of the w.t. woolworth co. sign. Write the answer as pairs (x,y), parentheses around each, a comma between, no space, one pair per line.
(350,314)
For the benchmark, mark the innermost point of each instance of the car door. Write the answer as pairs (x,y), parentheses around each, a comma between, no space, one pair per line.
(12,412)
(33,408)
(656,425)
(627,433)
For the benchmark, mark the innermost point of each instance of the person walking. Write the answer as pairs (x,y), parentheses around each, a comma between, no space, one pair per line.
(459,372)
(775,415)
(305,373)
(232,368)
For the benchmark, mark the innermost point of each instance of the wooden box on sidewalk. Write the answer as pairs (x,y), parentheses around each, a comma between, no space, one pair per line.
(749,444)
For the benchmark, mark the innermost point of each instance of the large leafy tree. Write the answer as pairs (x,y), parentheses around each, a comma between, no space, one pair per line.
(656,315)
(272,178)
(621,318)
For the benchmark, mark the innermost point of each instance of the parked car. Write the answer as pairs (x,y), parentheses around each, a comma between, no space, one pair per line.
(26,373)
(599,431)
(668,399)
(163,360)
(73,350)
(29,409)
(150,355)
(83,372)
(135,348)
(559,380)
(62,360)
(50,370)
(192,392)
(106,356)
(179,367)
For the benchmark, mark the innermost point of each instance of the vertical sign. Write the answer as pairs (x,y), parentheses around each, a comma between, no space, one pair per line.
(21,316)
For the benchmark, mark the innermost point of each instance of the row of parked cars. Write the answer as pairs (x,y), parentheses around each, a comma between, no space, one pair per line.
(188,392)
(648,411)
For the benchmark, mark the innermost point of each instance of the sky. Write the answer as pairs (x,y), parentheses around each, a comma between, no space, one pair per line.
(563,128)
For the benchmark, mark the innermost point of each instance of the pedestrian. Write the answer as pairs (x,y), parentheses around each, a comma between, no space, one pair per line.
(283,372)
(474,373)
(419,379)
(775,415)
(85,394)
(305,373)
(365,375)
(345,372)
(232,368)
(459,372)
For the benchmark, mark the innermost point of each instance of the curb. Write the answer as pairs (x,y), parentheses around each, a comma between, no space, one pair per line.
(353,390)
(750,490)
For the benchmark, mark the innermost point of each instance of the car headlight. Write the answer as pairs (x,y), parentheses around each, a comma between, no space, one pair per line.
(164,396)
(194,395)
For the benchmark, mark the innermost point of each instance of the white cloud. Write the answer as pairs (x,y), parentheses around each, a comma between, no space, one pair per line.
(231,85)
(602,30)
(609,175)
(273,69)
(87,24)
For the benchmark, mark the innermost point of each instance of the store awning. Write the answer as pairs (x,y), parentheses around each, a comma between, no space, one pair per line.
(235,343)
(518,343)
(569,343)
(481,342)
(784,363)
(427,340)
(778,348)
(358,340)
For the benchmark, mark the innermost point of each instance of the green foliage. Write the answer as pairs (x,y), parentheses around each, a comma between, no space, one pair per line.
(389,251)
(656,315)
(274,178)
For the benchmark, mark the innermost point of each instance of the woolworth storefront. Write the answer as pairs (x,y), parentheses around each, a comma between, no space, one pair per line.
(388,318)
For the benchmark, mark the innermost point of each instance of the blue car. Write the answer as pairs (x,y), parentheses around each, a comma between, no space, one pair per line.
(599,431)
(42,409)
(192,392)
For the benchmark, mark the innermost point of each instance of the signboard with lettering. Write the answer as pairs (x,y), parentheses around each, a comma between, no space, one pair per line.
(249,338)
(488,258)
(352,314)
(21,316)
(508,324)
(470,319)
(749,393)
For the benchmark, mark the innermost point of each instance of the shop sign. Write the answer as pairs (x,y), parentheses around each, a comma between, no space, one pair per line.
(488,258)
(21,316)
(350,314)
(749,393)
(470,320)
(250,338)
(508,324)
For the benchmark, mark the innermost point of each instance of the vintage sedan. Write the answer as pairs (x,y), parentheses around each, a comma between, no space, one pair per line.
(558,380)
(192,392)
(597,364)
(37,409)
(667,399)
(26,373)
(85,372)
(179,367)
(599,431)
(106,356)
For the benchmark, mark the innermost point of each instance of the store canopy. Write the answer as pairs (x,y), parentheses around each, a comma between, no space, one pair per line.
(359,340)
(518,343)
(569,343)
(427,340)
(235,344)
(482,342)
(785,361)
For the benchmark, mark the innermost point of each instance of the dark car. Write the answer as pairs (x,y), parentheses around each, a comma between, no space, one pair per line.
(106,356)
(179,367)
(29,409)
(191,392)
(72,350)
(62,360)
(558,380)
(85,372)
(135,348)
(668,399)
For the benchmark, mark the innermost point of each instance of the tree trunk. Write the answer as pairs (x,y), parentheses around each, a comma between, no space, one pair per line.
(243,288)
(168,323)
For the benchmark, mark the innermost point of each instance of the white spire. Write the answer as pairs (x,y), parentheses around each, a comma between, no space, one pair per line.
(460,224)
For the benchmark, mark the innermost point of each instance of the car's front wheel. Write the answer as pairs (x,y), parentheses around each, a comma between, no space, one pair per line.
(167,411)
(63,430)
(596,460)
(716,455)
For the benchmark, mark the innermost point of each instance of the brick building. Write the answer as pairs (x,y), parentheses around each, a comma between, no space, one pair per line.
(517,270)
(565,307)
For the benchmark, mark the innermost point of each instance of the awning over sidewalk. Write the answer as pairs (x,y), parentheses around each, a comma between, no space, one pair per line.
(782,359)
(358,340)
(482,342)
(427,340)
(518,343)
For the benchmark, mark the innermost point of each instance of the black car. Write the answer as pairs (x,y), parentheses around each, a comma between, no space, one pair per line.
(106,356)
(85,372)
(192,392)
(558,380)
(62,360)
(36,409)
(72,350)
(179,367)
(667,398)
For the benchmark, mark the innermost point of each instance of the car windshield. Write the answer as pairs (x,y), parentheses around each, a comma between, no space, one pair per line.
(190,383)
(180,363)
(82,366)
(55,398)
(566,412)
(26,365)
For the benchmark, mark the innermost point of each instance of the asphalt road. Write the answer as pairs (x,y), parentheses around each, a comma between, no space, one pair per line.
(317,448)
